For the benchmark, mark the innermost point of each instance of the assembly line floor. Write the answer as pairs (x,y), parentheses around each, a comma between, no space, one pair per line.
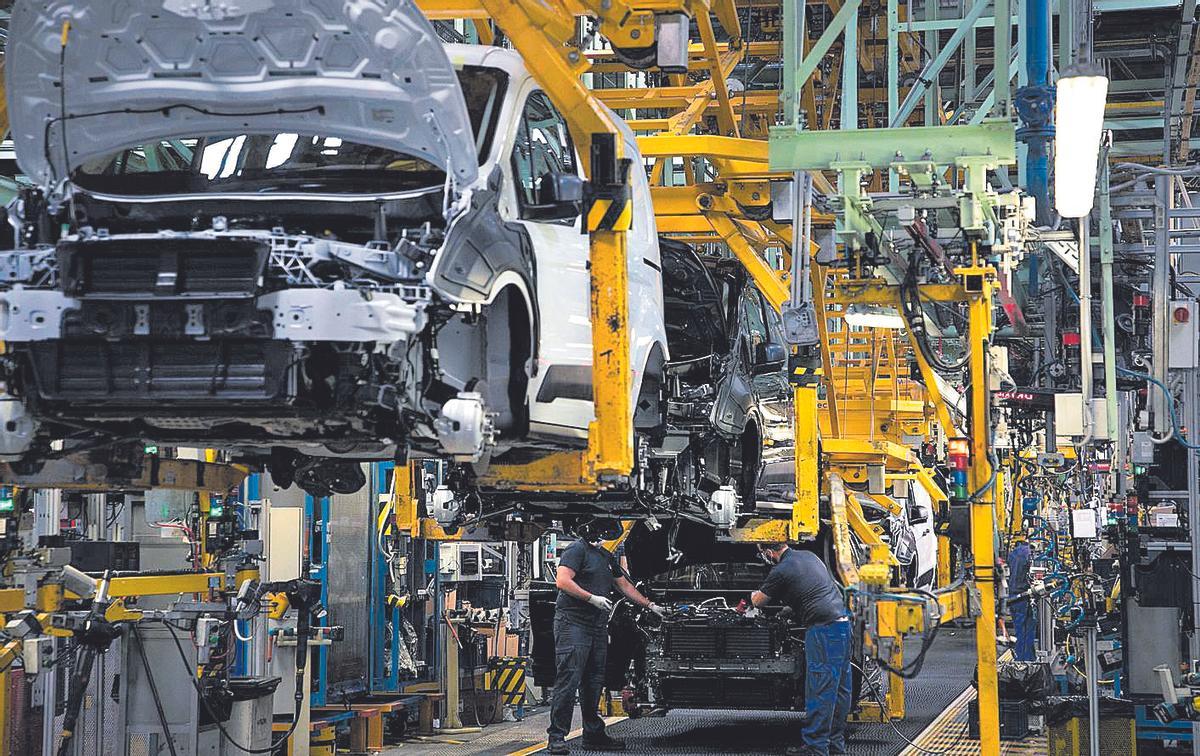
(936,705)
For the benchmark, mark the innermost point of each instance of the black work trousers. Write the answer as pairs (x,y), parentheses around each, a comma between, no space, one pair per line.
(581,653)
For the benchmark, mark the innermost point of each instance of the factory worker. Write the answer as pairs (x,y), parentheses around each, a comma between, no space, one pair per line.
(587,574)
(800,580)
(1019,604)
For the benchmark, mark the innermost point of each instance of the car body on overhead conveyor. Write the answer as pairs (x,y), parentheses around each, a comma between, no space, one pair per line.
(727,381)
(310,238)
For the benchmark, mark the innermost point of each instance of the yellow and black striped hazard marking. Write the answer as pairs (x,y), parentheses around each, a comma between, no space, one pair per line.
(508,677)
(610,213)
(806,376)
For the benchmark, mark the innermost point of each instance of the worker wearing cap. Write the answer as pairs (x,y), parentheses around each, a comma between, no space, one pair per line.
(1019,560)
(800,580)
(586,576)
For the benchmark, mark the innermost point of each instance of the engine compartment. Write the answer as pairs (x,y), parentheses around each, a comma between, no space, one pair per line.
(709,656)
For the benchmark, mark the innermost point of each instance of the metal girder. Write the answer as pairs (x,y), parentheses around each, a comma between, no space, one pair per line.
(865,530)
(82,474)
(797,73)
(703,145)
(768,280)
(762,530)
(726,121)
(164,585)
(806,520)
(563,471)
(980,327)
(843,549)
(879,148)
(853,451)
(873,291)
(745,158)
(679,97)
(604,61)
(686,224)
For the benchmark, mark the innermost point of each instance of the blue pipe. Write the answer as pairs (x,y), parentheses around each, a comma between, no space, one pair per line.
(1035,105)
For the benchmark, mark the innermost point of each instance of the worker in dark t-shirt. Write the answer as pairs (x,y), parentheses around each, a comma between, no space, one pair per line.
(586,576)
(800,580)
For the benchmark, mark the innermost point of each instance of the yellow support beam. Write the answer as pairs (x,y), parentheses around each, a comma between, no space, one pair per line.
(769,281)
(563,471)
(703,145)
(861,451)
(531,26)
(982,512)
(806,510)
(762,530)
(404,500)
(839,525)
(163,585)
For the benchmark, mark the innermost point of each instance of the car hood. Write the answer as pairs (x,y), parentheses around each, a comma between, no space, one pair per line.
(371,71)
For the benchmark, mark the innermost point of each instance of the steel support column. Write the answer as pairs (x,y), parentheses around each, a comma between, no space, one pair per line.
(1160,293)
(983,522)
(932,69)
(1000,52)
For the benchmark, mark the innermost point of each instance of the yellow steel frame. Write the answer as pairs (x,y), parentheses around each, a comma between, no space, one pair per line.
(544,32)
(806,515)
(50,597)
(983,506)
(405,513)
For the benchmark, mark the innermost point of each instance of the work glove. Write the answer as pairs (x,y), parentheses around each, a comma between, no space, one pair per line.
(601,603)
(657,610)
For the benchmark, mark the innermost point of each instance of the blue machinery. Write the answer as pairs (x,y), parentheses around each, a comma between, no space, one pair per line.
(385,605)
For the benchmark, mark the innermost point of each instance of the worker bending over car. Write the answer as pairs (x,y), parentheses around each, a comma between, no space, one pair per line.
(585,579)
(800,580)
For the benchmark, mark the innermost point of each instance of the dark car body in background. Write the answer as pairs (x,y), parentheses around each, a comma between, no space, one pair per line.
(727,381)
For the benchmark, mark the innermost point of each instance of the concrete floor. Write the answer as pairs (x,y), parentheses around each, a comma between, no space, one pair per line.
(947,673)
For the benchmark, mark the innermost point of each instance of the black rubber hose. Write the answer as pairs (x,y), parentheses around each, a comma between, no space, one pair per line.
(162,717)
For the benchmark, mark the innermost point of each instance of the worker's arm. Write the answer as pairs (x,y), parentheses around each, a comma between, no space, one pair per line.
(564,580)
(631,592)
(772,586)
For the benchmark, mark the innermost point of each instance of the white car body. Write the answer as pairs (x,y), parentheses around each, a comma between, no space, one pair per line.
(562,258)
(371,72)
(922,525)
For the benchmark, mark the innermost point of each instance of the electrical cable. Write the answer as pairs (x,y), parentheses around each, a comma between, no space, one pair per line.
(877,694)
(217,720)
(1176,433)
(162,717)
(238,635)
(165,111)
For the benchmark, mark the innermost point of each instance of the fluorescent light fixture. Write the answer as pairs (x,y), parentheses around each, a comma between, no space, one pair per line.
(1078,124)
(873,316)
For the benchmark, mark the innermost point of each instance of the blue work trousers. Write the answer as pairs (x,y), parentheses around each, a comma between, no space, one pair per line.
(581,654)
(1024,625)
(828,686)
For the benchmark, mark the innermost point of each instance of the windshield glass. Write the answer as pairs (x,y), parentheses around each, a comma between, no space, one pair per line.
(288,163)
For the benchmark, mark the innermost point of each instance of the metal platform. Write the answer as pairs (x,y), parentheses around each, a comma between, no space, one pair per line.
(947,735)
(937,703)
